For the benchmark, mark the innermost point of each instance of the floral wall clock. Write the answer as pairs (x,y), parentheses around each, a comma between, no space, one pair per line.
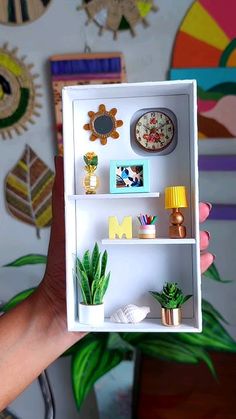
(116,15)
(18,12)
(18,93)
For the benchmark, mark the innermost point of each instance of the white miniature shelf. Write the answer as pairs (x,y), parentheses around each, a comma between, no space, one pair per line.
(115,196)
(147,241)
(147,325)
(141,264)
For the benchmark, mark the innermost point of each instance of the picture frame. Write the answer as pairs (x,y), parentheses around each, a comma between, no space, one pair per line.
(129,176)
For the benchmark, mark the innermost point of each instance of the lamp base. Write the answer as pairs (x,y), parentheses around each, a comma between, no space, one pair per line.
(177,232)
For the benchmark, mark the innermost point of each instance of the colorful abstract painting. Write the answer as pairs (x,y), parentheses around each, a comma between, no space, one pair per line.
(18,12)
(79,69)
(205,50)
(128,177)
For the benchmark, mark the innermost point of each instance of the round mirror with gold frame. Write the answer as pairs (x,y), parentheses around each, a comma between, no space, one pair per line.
(103,124)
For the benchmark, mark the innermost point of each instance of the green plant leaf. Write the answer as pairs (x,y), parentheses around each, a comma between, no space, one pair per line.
(95,291)
(86,264)
(104,285)
(157,296)
(208,308)
(212,273)
(185,298)
(91,361)
(85,288)
(104,263)
(101,289)
(17,299)
(95,260)
(31,259)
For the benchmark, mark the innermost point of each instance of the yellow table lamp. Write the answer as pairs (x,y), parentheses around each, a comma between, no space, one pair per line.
(175,198)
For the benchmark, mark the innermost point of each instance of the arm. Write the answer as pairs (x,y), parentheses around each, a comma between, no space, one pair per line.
(34,334)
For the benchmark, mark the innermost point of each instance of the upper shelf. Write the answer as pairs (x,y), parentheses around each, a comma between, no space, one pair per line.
(149,241)
(115,196)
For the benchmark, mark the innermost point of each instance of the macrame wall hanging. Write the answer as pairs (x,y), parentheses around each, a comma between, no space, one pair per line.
(18,93)
(85,68)
(28,190)
(18,12)
(117,15)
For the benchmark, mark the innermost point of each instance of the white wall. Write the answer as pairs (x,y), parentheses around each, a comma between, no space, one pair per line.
(62,30)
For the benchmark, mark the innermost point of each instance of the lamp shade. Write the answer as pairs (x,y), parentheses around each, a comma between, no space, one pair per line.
(175,197)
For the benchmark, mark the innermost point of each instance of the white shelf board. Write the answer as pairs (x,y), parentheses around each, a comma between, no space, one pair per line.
(147,325)
(148,241)
(115,196)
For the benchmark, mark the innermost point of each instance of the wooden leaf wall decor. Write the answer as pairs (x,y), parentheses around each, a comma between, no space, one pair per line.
(28,190)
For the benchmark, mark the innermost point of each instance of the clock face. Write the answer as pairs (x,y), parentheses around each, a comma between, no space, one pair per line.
(154,131)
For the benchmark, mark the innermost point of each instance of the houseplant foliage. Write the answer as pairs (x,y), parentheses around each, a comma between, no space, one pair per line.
(171,299)
(92,277)
(91,180)
(93,281)
(98,353)
(171,296)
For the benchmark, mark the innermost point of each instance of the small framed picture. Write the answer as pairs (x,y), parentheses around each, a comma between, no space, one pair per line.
(129,176)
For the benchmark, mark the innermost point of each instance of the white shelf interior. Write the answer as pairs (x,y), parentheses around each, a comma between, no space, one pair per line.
(115,196)
(136,241)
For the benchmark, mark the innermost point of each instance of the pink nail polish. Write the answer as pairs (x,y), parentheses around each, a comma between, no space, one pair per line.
(208,234)
(209,205)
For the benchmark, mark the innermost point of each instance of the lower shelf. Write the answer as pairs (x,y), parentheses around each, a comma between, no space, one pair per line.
(147,325)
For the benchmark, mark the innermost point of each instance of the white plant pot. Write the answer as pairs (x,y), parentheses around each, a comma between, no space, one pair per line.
(91,314)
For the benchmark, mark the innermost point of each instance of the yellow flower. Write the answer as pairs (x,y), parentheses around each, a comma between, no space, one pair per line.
(90,155)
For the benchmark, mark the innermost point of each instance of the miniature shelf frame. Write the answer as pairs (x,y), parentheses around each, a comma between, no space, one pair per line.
(136,265)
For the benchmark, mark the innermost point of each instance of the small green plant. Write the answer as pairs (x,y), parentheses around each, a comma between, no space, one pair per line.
(171,296)
(92,277)
(91,159)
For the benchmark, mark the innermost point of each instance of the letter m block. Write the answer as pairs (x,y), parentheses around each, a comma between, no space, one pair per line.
(123,229)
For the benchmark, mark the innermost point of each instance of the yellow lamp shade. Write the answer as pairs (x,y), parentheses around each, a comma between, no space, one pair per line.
(175,197)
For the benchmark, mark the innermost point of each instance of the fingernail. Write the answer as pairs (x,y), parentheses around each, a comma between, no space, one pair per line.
(214,256)
(208,234)
(209,205)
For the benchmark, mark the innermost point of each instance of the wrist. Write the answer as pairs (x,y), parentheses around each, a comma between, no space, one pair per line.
(50,319)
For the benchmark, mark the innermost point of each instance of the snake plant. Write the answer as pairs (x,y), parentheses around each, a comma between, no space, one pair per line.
(92,277)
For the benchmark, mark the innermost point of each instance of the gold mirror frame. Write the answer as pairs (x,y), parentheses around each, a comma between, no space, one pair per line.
(103,136)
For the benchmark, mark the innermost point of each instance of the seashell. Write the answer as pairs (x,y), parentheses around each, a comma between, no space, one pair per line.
(130,314)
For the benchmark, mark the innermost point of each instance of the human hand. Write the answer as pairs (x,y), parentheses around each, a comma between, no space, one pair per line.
(53,287)
(206,258)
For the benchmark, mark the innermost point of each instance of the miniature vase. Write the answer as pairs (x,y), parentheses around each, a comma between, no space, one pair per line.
(147,231)
(171,316)
(91,180)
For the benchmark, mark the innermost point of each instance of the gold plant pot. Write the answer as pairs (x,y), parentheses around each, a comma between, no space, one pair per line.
(171,316)
(91,180)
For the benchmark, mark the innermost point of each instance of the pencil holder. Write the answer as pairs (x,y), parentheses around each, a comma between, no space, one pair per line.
(147,231)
